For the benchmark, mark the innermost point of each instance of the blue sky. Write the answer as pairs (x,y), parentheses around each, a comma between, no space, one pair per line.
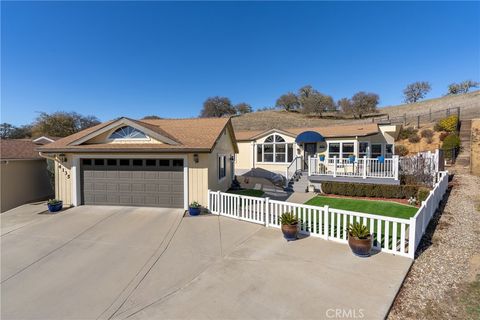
(136,59)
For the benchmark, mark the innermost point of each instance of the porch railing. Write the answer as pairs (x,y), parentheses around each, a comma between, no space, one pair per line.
(361,167)
(293,168)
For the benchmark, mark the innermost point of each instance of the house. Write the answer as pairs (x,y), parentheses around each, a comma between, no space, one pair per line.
(164,162)
(24,174)
(326,152)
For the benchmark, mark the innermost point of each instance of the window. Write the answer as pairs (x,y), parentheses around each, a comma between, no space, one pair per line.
(127,132)
(87,162)
(99,162)
(111,162)
(388,150)
(363,149)
(334,150)
(177,162)
(124,162)
(347,150)
(376,150)
(137,162)
(150,162)
(222,167)
(275,149)
(164,163)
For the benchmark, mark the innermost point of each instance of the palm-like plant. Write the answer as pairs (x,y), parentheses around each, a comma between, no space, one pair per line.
(358,231)
(288,218)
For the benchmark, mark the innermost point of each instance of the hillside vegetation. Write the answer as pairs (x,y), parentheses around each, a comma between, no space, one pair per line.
(469,105)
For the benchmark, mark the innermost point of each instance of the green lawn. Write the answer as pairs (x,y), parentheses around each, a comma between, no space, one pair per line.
(382,208)
(247,192)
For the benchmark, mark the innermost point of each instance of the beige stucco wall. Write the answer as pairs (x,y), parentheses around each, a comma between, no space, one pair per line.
(23,181)
(244,159)
(63,181)
(225,147)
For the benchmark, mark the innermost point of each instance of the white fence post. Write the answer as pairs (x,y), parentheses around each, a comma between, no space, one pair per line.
(364,176)
(219,202)
(267,211)
(309,166)
(335,166)
(411,238)
(209,206)
(325,221)
(396,163)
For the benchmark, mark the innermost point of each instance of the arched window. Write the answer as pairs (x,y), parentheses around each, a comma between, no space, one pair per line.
(128,132)
(275,149)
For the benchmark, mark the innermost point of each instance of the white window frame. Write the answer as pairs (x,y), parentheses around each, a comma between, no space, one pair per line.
(341,142)
(382,149)
(367,153)
(219,156)
(147,138)
(274,154)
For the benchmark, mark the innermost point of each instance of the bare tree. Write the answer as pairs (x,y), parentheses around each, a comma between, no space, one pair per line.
(462,87)
(288,101)
(217,107)
(416,91)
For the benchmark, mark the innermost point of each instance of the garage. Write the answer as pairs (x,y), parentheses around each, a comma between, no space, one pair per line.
(133,182)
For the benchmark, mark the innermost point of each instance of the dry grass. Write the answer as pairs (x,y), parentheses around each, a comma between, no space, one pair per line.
(475,153)
(469,104)
(423,145)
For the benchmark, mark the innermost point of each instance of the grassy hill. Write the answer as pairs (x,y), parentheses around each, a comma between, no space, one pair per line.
(469,105)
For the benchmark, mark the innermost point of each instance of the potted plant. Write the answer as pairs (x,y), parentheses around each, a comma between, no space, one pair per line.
(194,208)
(359,239)
(321,157)
(289,224)
(351,158)
(54,205)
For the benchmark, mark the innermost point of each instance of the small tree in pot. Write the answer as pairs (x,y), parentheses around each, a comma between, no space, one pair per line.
(289,224)
(360,239)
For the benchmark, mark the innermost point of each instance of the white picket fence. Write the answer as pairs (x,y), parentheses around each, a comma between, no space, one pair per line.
(392,235)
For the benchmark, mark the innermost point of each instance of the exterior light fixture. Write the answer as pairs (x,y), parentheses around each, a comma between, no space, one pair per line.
(195,157)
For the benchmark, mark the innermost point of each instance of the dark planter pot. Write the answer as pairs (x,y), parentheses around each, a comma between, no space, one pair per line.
(55,207)
(360,247)
(193,211)
(290,231)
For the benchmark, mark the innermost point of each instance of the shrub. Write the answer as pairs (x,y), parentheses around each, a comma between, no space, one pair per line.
(288,218)
(414,138)
(422,194)
(429,140)
(370,190)
(452,141)
(449,123)
(405,133)
(358,230)
(437,127)
(443,135)
(427,133)
(401,150)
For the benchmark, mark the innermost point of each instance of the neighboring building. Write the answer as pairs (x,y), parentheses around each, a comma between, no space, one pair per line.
(24,175)
(164,163)
(274,150)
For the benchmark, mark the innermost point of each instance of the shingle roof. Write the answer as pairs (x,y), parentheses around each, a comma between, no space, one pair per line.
(193,135)
(18,149)
(359,130)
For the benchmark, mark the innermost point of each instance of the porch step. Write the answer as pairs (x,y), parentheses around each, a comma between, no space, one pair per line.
(299,183)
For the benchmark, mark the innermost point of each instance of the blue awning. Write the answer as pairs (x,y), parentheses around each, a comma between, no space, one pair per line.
(309,137)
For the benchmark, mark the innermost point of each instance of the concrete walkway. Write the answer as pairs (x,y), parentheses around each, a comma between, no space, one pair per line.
(119,262)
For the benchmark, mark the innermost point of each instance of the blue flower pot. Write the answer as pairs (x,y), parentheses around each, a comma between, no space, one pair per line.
(55,207)
(322,158)
(351,159)
(381,159)
(193,211)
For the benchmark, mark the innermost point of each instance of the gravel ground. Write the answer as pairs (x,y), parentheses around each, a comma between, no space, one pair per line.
(439,284)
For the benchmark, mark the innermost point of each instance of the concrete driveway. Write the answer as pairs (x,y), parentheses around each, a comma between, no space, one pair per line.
(145,263)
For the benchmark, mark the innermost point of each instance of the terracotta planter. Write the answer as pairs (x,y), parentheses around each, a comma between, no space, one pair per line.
(360,247)
(290,231)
